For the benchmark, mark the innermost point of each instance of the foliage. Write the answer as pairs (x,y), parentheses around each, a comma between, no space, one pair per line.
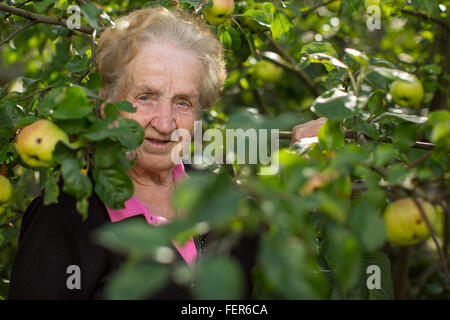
(319,220)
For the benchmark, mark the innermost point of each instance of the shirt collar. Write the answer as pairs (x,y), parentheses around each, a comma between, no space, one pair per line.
(134,207)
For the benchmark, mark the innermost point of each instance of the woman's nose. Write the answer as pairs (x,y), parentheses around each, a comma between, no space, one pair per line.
(164,121)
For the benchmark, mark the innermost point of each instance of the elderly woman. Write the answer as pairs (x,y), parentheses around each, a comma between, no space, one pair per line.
(169,65)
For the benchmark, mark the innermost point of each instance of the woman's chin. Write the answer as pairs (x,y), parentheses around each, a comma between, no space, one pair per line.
(155,162)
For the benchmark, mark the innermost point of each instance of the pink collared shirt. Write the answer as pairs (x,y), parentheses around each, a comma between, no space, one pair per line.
(134,207)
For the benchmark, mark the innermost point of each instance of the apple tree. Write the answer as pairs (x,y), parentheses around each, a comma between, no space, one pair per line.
(361,214)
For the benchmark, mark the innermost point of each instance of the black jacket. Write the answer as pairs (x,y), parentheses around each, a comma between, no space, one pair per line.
(54,237)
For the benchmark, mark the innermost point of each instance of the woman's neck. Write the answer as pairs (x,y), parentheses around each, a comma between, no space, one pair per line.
(154,189)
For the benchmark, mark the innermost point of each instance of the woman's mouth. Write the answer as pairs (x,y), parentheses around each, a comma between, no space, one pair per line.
(158,142)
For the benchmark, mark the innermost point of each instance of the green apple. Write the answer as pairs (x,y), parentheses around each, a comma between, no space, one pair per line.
(404,223)
(266,71)
(407,94)
(220,11)
(36,142)
(334,6)
(368,3)
(6,193)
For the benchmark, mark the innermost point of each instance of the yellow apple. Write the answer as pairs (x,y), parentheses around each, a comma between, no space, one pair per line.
(36,142)
(407,94)
(334,6)
(220,11)
(6,193)
(404,223)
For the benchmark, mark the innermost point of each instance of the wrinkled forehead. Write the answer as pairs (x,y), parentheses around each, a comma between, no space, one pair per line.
(160,62)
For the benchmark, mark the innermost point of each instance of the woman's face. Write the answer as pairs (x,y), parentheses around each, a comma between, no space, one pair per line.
(165,84)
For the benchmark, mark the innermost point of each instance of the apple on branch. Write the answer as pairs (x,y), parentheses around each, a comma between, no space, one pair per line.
(35,143)
(407,94)
(6,193)
(220,11)
(404,222)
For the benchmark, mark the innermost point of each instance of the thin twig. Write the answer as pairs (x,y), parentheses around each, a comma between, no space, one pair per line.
(36,92)
(41,19)
(434,237)
(13,34)
(420,159)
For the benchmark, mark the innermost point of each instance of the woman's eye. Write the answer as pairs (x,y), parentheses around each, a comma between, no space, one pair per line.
(144,98)
(183,104)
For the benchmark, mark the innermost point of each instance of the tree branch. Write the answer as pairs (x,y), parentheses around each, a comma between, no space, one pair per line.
(18,6)
(13,34)
(350,135)
(41,19)
(433,236)
(424,16)
(307,12)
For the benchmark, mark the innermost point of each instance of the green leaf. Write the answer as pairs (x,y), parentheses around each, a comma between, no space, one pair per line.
(92,15)
(404,135)
(343,256)
(106,152)
(316,47)
(41,5)
(130,133)
(25,121)
(330,135)
(397,174)
(75,182)
(51,189)
(78,64)
(225,38)
(367,225)
(328,61)
(10,113)
(259,16)
(290,268)
(127,131)
(214,200)
(137,281)
(430,6)
(113,186)
(51,100)
(376,102)
(74,105)
(357,55)
(218,278)
(387,288)
(335,104)
(135,237)
(394,74)
(406,117)
(281,27)
(384,154)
